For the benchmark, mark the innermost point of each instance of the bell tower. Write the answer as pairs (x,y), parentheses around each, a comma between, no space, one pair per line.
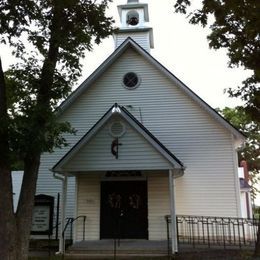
(133,18)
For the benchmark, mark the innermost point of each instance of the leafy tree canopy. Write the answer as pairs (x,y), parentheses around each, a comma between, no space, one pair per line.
(250,151)
(49,38)
(235,25)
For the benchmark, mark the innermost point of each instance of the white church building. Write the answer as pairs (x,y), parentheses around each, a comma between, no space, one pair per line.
(146,146)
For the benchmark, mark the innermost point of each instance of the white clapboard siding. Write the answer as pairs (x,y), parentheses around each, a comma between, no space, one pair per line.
(143,39)
(158,205)
(88,204)
(134,153)
(209,185)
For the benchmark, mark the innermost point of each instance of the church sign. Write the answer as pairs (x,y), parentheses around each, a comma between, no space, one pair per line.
(42,220)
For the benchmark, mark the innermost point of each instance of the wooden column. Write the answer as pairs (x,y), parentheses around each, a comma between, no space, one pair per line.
(63,214)
(173,213)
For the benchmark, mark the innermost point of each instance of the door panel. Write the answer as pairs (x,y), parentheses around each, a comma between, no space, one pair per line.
(124,209)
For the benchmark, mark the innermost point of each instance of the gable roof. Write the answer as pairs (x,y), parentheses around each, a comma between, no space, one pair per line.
(130,43)
(125,114)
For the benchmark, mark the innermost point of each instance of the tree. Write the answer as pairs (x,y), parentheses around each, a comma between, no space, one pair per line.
(235,26)
(250,151)
(58,32)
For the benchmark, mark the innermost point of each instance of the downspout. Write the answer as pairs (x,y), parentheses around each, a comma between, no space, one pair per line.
(236,179)
(243,164)
(62,178)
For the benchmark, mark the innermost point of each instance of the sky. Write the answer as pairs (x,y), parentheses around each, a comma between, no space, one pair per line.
(181,47)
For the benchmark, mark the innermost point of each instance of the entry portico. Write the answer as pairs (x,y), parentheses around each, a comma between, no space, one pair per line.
(124,180)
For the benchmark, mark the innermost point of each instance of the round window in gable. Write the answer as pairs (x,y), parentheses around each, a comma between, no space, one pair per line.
(131,80)
(117,129)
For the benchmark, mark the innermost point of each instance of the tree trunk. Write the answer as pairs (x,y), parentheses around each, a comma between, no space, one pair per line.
(7,217)
(15,227)
(25,205)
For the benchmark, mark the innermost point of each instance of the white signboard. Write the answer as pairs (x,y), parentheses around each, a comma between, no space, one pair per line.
(41,218)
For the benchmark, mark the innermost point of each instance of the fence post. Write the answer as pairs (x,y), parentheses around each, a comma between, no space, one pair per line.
(223,231)
(168,235)
(57,216)
(84,225)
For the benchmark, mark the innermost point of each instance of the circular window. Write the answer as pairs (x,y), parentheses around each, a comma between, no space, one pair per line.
(117,129)
(132,18)
(131,80)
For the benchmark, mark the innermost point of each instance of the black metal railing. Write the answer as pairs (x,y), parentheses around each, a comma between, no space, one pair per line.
(214,231)
(69,223)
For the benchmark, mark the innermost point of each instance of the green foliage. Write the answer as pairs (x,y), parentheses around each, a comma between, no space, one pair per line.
(49,38)
(235,26)
(250,151)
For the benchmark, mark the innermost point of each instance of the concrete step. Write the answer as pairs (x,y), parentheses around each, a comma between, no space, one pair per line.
(117,256)
(110,251)
(124,248)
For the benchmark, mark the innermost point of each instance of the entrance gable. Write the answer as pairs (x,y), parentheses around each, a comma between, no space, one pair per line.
(134,152)
(117,142)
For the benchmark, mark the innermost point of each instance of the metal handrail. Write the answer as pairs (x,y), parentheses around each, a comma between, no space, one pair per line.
(70,221)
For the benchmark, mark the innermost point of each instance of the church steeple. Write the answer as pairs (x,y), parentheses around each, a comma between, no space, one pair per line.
(133,18)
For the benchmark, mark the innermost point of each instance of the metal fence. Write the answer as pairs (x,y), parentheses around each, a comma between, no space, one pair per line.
(215,231)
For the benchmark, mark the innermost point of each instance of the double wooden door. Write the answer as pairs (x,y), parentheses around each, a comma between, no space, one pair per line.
(124,210)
